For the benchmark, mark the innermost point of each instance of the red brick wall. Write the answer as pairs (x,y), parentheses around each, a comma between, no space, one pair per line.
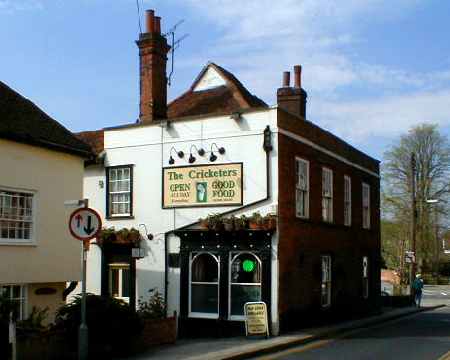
(302,242)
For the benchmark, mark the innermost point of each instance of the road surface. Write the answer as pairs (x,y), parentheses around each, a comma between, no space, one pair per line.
(424,336)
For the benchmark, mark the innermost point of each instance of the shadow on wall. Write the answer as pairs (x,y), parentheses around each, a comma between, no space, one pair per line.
(146,280)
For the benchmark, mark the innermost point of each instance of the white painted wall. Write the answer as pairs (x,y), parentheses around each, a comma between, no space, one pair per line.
(210,79)
(148,149)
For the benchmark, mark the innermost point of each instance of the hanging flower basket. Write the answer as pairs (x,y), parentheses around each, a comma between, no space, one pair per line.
(110,236)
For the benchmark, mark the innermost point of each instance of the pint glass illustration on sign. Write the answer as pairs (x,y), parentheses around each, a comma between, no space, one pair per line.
(202,185)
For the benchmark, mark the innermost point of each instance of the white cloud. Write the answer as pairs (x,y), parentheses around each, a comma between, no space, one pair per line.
(8,6)
(262,38)
(387,116)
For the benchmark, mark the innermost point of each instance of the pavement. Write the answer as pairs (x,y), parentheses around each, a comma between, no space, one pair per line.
(435,297)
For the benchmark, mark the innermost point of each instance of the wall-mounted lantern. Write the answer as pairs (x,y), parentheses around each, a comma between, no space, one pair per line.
(179,153)
(213,156)
(200,151)
(267,139)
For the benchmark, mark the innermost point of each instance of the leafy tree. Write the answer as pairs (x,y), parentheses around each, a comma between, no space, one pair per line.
(432,153)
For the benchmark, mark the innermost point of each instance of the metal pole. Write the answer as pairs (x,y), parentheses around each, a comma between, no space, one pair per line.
(83,331)
(413,217)
(436,232)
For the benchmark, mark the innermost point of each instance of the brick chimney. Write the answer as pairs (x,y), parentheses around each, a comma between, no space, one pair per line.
(153,49)
(293,99)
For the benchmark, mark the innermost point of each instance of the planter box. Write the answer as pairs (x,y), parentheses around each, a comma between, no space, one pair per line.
(159,331)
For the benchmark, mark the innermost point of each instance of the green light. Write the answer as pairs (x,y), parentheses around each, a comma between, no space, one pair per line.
(248,265)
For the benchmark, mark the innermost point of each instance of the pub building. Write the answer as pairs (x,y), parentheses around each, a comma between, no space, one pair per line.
(218,152)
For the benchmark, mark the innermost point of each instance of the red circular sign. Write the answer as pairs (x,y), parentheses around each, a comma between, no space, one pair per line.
(85,224)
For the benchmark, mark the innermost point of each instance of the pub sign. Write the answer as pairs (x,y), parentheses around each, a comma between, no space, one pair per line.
(202,185)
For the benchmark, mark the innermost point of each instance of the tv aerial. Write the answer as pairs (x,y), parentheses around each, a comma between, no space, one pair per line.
(174,44)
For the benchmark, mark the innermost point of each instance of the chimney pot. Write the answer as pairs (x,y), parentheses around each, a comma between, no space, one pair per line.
(298,76)
(286,79)
(150,21)
(157,24)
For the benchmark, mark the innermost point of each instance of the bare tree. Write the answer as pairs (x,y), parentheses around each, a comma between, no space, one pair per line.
(432,152)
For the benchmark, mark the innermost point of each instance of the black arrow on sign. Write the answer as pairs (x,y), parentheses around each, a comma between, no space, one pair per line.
(89,229)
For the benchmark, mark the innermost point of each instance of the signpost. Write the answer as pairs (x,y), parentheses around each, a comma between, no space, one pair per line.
(84,225)
(256,318)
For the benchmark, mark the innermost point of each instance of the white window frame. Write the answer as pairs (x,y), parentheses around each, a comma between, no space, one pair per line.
(328,171)
(232,257)
(129,191)
(365,277)
(327,282)
(297,188)
(365,209)
(347,200)
(192,314)
(120,267)
(32,239)
(23,299)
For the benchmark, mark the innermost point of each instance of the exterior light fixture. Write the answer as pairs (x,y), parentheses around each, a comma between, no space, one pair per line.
(200,151)
(267,139)
(236,116)
(221,151)
(179,153)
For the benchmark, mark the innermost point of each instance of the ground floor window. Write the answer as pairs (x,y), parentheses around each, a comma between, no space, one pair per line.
(119,281)
(18,294)
(326,281)
(365,277)
(204,285)
(245,282)
(207,291)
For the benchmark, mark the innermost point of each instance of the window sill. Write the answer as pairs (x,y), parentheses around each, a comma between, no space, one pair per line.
(203,315)
(17,243)
(120,217)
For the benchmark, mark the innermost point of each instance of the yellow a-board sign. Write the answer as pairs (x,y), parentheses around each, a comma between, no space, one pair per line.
(256,318)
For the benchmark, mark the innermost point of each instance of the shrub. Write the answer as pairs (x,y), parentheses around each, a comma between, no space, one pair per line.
(35,320)
(112,324)
(154,307)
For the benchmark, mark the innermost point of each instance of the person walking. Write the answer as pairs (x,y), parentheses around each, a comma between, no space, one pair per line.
(417,287)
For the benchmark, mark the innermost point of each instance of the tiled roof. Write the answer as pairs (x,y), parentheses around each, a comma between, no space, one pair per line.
(95,139)
(228,98)
(22,121)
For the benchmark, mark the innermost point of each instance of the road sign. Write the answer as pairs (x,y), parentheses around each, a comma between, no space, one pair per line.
(84,224)
(256,318)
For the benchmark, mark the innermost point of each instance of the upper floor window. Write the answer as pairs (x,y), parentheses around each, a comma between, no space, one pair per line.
(302,188)
(366,206)
(347,200)
(119,191)
(327,195)
(16,216)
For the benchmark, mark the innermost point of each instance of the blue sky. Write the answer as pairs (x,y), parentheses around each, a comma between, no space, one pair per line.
(372,68)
